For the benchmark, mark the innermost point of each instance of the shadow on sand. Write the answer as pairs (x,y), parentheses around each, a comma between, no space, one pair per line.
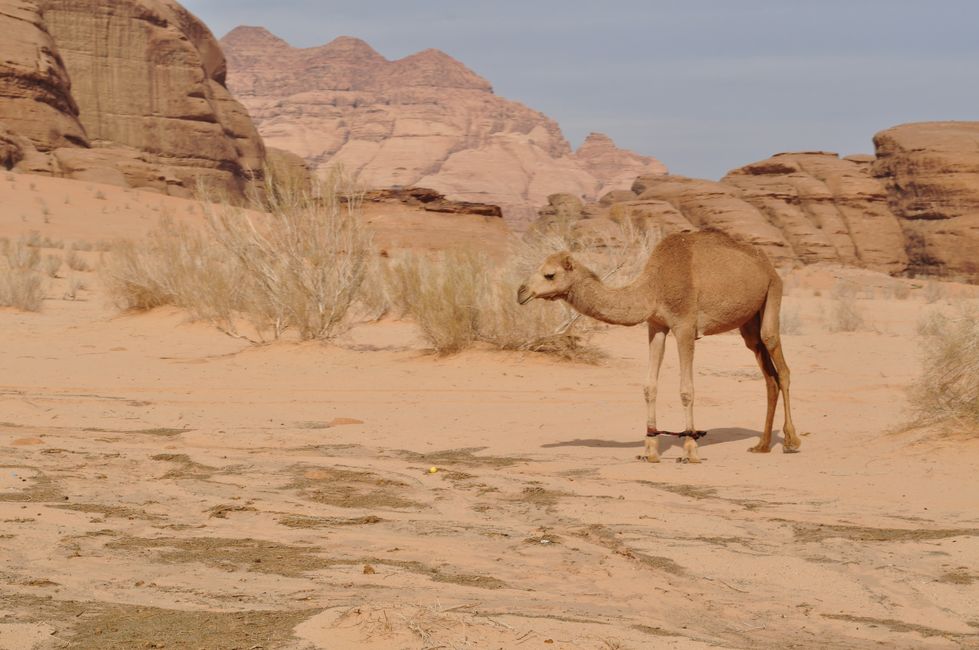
(713,437)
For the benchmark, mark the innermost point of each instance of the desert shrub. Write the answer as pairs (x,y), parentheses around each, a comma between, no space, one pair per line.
(901,291)
(75,261)
(948,388)
(845,314)
(52,264)
(296,268)
(21,286)
(933,292)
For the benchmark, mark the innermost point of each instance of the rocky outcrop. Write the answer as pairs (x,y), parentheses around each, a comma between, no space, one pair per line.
(428,200)
(931,174)
(421,219)
(424,120)
(614,168)
(129,92)
(829,209)
(912,207)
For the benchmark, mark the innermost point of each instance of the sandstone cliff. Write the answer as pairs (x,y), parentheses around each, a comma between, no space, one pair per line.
(423,120)
(912,207)
(129,92)
(931,173)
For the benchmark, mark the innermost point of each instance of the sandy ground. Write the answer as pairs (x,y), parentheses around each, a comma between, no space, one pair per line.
(165,486)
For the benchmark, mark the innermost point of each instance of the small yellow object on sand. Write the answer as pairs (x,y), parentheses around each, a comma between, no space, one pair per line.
(432,470)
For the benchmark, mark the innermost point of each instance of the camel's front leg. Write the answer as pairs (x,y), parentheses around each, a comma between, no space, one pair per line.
(657,345)
(685,342)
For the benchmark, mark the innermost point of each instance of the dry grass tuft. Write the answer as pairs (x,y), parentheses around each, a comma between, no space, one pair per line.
(846,315)
(20,279)
(75,261)
(297,268)
(948,388)
(52,264)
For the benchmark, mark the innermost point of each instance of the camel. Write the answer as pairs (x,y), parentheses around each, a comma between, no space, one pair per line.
(694,284)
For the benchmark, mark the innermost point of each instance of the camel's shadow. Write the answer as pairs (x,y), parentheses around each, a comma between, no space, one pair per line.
(713,437)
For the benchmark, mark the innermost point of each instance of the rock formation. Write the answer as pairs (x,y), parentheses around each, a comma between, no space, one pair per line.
(422,120)
(128,92)
(931,174)
(912,207)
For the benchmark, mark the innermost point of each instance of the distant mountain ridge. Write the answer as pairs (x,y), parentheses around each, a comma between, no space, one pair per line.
(425,119)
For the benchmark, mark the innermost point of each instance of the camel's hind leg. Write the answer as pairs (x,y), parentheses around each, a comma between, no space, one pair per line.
(751,333)
(772,340)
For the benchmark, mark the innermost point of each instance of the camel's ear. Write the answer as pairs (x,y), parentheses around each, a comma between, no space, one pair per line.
(567,262)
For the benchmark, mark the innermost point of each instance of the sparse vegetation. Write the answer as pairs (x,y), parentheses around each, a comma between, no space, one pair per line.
(298,268)
(933,292)
(52,264)
(948,388)
(75,261)
(20,280)
(845,314)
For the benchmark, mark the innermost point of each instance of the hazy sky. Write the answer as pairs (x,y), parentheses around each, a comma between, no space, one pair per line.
(703,85)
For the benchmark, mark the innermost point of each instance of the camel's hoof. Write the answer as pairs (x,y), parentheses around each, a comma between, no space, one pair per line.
(789,449)
(759,449)
(652,459)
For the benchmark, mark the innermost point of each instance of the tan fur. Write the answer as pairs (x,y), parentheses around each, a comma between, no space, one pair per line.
(694,284)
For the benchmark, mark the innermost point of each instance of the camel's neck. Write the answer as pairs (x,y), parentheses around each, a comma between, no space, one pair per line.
(628,305)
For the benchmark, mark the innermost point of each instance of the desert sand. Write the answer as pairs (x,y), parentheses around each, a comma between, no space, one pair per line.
(165,486)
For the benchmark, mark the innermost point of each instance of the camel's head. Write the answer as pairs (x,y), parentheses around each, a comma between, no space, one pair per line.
(551,281)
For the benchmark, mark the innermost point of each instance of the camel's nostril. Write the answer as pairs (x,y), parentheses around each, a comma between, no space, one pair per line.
(523,294)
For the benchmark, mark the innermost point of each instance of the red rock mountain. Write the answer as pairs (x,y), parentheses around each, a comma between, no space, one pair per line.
(129,92)
(912,207)
(422,120)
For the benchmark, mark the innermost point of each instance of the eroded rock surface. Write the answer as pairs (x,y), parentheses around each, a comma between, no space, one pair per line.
(127,92)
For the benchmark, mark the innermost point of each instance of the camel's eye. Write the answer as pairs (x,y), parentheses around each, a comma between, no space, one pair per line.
(548,276)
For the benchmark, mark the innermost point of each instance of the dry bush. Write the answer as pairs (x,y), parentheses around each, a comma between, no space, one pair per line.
(933,292)
(948,388)
(297,268)
(460,298)
(75,261)
(845,315)
(20,281)
(901,291)
(52,264)
(72,288)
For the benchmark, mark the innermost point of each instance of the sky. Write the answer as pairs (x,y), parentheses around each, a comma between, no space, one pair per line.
(703,85)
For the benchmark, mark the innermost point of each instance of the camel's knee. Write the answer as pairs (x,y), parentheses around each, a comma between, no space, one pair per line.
(686,397)
(771,340)
(649,394)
